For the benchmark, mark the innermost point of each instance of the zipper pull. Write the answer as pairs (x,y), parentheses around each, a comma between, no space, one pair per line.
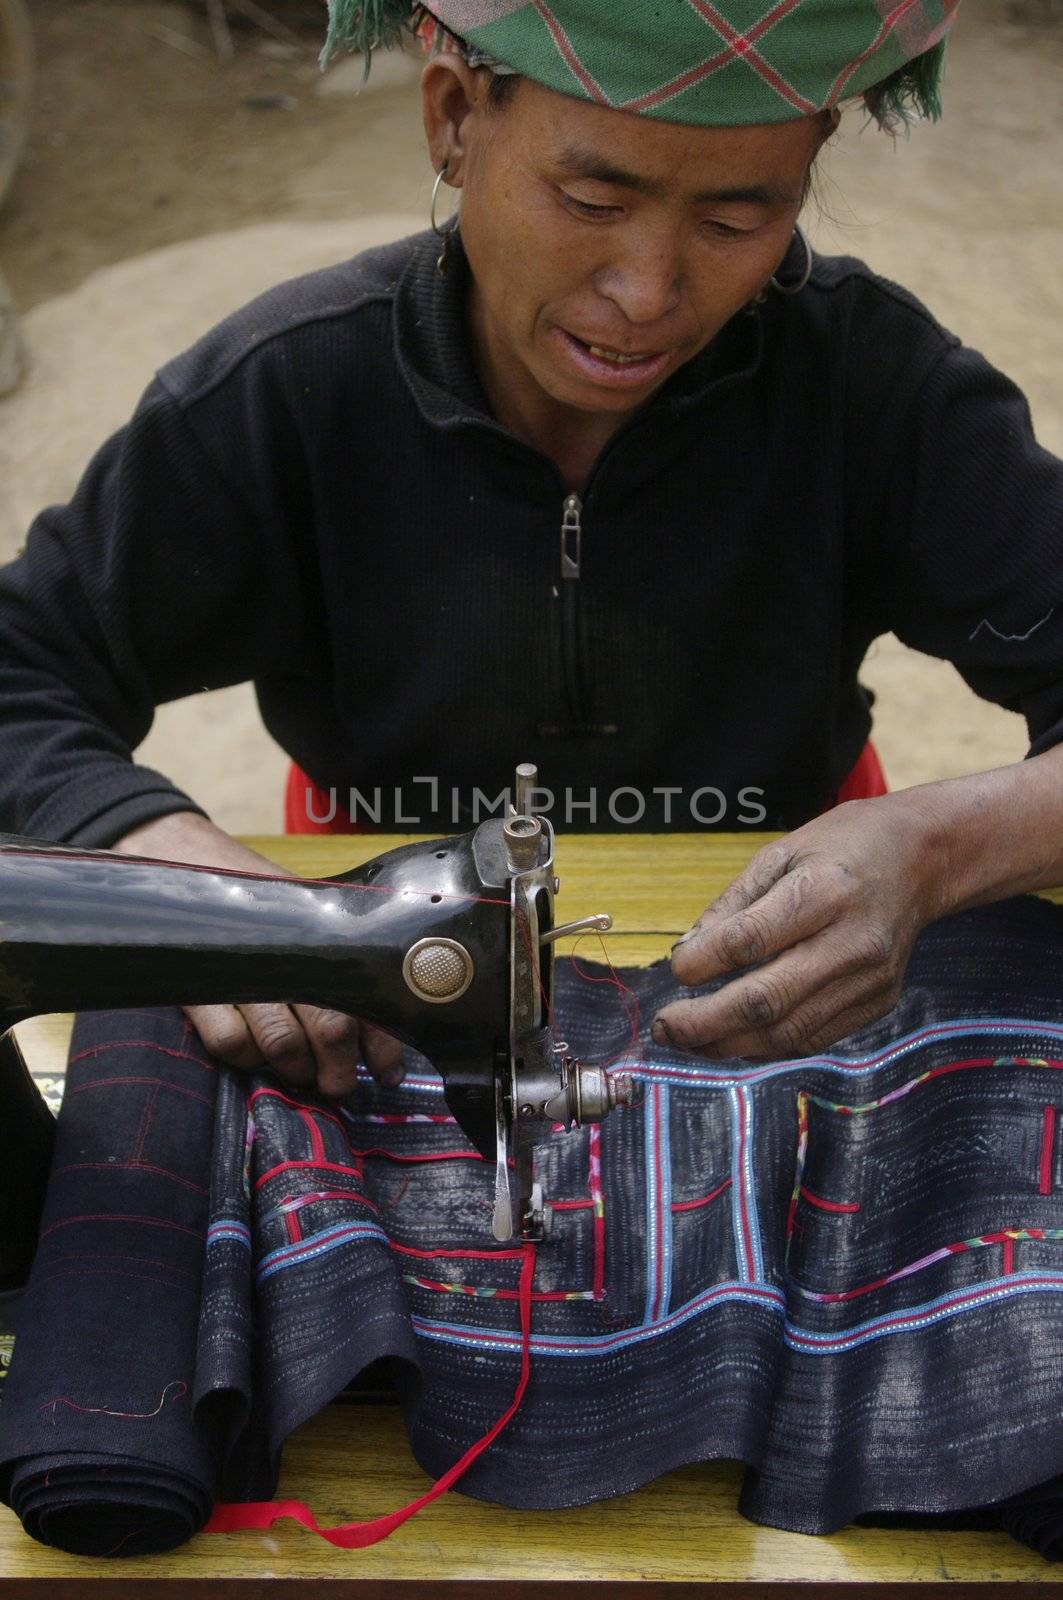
(571,531)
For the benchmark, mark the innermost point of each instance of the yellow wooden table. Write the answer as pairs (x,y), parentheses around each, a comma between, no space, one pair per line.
(352,1461)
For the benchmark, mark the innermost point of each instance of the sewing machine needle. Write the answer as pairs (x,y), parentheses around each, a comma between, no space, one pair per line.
(502,1222)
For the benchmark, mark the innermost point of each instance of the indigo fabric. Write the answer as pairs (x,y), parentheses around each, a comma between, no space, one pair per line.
(845,1271)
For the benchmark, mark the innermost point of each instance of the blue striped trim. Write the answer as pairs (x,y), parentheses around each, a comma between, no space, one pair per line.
(752,1214)
(650,1122)
(912,1320)
(737,1182)
(666,1202)
(229,1228)
(317,1244)
(597,1343)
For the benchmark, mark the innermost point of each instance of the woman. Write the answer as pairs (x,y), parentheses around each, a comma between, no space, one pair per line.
(617,478)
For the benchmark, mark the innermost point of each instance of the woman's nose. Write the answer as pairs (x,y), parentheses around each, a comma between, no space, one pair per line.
(645,283)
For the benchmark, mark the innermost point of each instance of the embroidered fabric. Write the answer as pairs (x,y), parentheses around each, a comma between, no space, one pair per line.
(845,1271)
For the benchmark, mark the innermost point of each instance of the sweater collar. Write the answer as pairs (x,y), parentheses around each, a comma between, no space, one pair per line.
(434,355)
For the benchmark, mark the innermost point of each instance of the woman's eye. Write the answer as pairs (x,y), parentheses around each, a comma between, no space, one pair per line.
(585,207)
(722,230)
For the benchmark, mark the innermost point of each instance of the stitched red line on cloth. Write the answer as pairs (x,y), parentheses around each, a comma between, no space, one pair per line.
(172,1088)
(131,1166)
(818,1201)
(358,1535)
(1048,1139)
(1007,1259)
(118,1216)
(703,1200)
(571,1205)
(141,1044)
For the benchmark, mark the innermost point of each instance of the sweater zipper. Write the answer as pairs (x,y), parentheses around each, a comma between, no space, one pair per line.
(571,542)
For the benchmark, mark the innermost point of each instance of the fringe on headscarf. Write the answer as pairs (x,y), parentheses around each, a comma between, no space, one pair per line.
(913,91)
(365,26)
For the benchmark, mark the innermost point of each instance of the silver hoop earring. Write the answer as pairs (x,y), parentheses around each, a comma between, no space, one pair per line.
(795,288)
(446,234)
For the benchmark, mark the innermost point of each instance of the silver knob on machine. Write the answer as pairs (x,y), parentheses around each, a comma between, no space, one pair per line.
(438,970)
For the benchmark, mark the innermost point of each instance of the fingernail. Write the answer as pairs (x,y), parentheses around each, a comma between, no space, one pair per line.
(683,940)
(659,1032)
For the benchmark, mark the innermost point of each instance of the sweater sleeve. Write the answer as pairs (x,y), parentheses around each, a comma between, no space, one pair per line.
(157,580)
(974,537)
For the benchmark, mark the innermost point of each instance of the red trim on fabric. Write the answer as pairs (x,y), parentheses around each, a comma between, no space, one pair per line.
(1007,1259)
(1048,1139)
(828,1205)
(703,1200)
(438,1155)
(571,1205)
(317,1143)
(457,1255)
(315,1166)
(296,1105)
(358,1535)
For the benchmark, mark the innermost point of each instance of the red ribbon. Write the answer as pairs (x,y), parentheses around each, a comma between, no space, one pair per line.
(358,1535)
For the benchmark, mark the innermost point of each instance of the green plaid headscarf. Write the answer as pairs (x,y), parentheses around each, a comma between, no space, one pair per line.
(708,62)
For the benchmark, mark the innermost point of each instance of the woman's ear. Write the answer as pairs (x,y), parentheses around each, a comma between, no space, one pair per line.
(452,93)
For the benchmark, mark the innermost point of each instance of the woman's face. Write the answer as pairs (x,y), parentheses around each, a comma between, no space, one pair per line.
(585,226)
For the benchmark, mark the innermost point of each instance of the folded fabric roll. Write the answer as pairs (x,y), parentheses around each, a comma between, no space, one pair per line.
(846,1271)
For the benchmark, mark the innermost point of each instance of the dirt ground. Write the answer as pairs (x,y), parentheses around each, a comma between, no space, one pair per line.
(163,188)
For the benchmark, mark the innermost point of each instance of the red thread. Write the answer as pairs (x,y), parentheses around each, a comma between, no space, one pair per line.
(1007,1261)
(703,1200)
(358,1535)
(296,1105)
(105,1411)
(145,1123)
(1048,1137)
(571,1205)
(275,877)
(818,1201)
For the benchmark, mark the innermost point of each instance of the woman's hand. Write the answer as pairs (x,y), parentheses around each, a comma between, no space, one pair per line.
(821,925)
(308,1047)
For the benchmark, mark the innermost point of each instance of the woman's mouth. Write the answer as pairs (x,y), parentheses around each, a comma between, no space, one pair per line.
(617,368)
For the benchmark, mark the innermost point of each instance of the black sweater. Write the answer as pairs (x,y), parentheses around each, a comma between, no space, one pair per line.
(316,497)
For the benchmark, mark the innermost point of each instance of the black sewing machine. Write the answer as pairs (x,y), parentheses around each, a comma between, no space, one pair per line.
(447,944)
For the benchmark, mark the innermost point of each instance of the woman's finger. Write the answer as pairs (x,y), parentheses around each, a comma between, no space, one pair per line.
(334,1040)
(840,963)
(834,1010)
(804,901)
(282,1043)
(225,1035)
(382,1054)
